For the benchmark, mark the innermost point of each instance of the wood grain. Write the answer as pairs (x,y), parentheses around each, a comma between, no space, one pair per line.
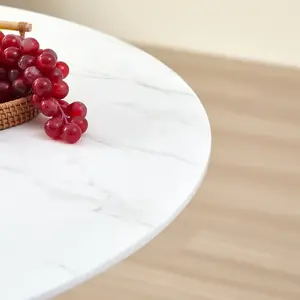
(239,238)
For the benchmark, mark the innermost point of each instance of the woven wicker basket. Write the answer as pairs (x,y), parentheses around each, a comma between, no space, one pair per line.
(17,111)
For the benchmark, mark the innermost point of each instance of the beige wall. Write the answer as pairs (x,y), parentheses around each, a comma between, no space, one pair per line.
(267,30)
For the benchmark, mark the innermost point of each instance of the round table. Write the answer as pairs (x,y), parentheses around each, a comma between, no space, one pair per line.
(68,212)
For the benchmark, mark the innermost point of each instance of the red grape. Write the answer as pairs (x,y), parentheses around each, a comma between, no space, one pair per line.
(20,88)
(13,74)
(63,67)
(46,62)
(53,127)
(3,73)
(11,55)
(26,61)
(30,46)
(5,91)
(42,87)
(63,103)
(71,133)
(32,73)
(81,122)
(60,89)
(50,51)
(49,107)
(77,109)
(55,75)
(11,40)
(36,100)
(1,37)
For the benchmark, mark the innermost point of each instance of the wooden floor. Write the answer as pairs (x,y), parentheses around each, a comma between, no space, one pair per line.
(240,237)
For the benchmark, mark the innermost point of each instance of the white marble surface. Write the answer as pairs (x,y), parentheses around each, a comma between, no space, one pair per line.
(68,212)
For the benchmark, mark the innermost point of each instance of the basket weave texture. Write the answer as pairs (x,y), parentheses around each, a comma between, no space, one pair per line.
(16,112)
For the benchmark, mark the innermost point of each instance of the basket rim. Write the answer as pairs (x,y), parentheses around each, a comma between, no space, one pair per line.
(14,102)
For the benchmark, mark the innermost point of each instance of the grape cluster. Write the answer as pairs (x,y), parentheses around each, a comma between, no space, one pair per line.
(27,70)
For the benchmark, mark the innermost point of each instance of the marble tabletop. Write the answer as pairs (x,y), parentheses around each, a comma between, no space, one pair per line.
(68,212)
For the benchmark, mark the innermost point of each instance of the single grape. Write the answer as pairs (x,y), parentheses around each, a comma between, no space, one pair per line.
(13,74)
(60,89)
(49,107)
(3,73)
(53,127)
(36,100)
(11,55)
(32,73)
(1,37)
(71,133)
(46,62)
(26,61)
(63,102)
(20,88)
(63,67)
(81,122)
(42,87)
(50,51)
(5,91)
(77,109)
(29,46)
(1,60)
(11,40)
(55,75)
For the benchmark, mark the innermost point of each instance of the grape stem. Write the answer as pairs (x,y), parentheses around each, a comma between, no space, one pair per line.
(64,116)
